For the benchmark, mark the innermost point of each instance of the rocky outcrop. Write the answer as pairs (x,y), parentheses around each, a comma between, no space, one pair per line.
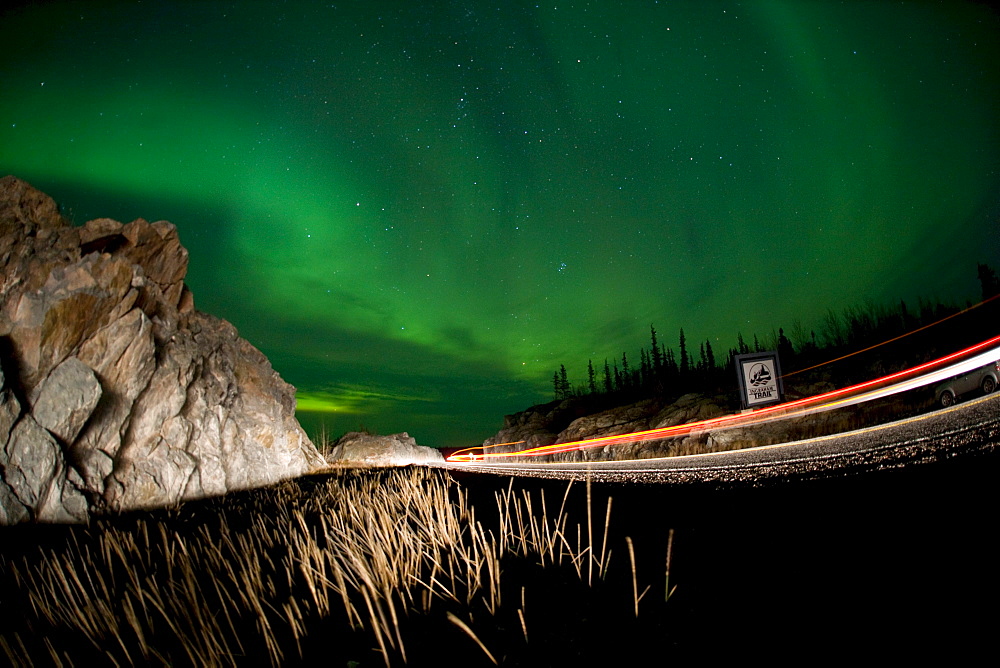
(115,393)
(371,450)
(655,413)
(534,427)
(539,425)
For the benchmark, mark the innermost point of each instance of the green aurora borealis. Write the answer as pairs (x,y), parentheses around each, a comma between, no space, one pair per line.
(418,210)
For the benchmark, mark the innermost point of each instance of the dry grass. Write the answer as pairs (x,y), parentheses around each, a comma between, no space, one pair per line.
(346,561)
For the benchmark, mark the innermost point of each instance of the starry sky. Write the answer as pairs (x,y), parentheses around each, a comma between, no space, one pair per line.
(419,210)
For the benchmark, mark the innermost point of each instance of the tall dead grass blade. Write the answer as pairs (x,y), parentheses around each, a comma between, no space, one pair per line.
(462,625)
(668,591)
(590,535)
(635,584)
(604,541)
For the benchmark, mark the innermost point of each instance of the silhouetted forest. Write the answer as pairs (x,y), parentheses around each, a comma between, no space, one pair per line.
(898,335)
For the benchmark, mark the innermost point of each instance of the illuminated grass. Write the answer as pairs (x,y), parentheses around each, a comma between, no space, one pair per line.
(359,566)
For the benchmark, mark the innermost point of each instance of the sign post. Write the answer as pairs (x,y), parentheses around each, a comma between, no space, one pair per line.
(760,379)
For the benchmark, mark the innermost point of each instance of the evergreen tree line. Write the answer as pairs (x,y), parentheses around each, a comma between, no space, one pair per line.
(660,367)
(663,370)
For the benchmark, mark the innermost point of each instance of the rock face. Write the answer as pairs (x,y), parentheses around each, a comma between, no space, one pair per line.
(547,424)
(569,421)
(539,425)
(115,393)
(371,450)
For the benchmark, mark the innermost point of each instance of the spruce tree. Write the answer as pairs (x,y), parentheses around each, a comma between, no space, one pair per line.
(591,379)
(644,368)
(657,355)
(684,368)
(988,281)
(741,345)
(670,362)
(785,349)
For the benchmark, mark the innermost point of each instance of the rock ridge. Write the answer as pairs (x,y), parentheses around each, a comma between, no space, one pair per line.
(548,424)
(115,393)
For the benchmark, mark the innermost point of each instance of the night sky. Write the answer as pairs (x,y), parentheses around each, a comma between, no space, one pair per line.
(419,210)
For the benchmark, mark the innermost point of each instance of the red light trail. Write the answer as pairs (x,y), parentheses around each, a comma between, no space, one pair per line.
(923,374)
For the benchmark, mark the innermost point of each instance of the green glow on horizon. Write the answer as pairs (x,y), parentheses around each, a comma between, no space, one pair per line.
(349,400)
(453,210)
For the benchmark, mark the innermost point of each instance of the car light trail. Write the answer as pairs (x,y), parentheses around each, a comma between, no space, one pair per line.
(924,374)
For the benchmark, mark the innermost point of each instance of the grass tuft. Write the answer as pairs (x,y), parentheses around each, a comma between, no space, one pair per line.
(360,561)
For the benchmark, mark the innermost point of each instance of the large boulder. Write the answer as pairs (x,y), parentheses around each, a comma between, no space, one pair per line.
(115,393)
(364,449)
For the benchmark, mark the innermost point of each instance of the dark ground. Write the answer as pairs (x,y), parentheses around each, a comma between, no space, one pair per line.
(888,563)
(899,562)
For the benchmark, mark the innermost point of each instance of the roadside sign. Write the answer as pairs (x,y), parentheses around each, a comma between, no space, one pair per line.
(760,379)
